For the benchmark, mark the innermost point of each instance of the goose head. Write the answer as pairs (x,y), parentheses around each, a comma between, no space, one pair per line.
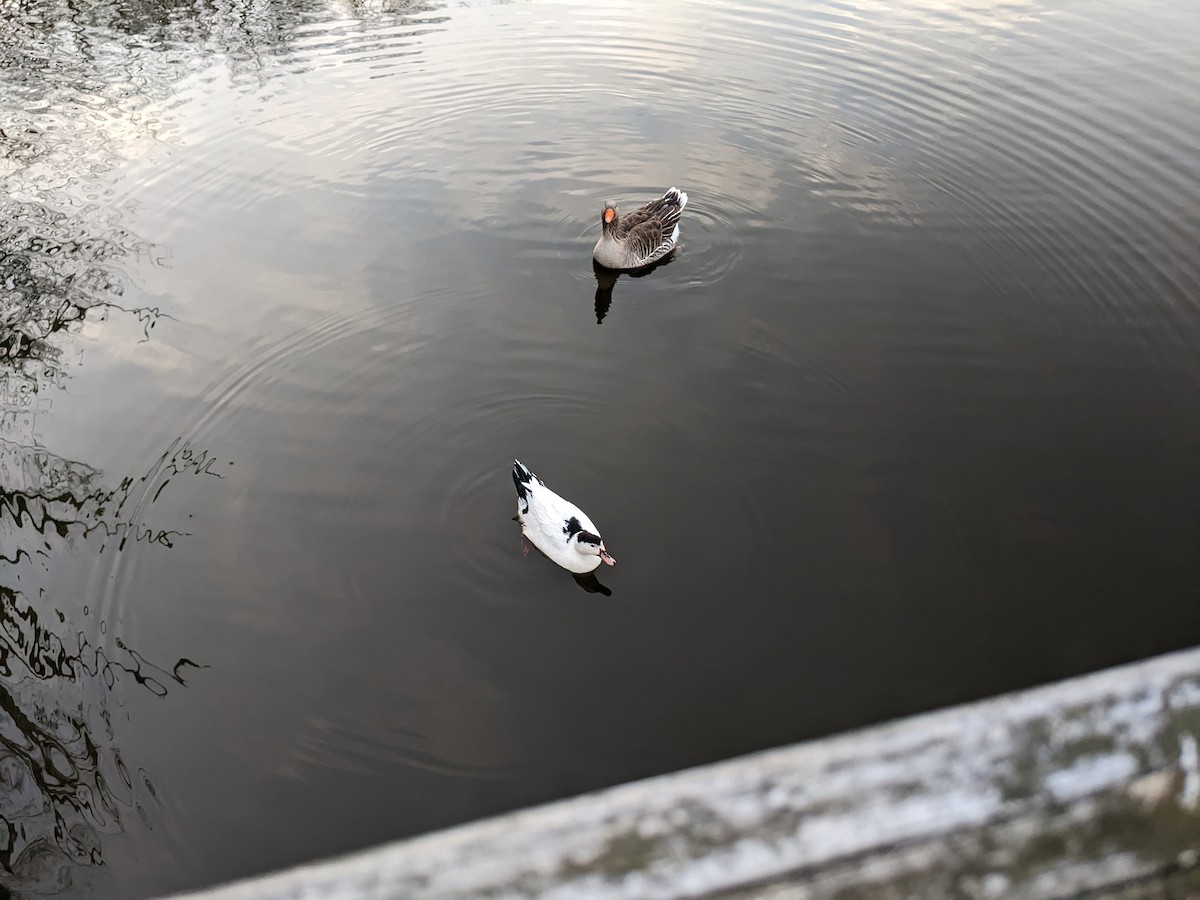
(591,545)
(608,218)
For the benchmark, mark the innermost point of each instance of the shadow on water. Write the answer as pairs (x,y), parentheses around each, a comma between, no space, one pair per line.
(606,280)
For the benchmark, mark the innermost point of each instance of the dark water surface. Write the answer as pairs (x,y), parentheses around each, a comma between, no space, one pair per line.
(913,418)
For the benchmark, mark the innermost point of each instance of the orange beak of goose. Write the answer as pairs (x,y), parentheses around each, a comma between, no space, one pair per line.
(609,214)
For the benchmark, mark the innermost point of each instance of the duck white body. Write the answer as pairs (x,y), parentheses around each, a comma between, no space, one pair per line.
(556,526)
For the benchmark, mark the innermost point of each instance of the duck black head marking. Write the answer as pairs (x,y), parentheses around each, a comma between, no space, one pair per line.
(571,527)
(586,537)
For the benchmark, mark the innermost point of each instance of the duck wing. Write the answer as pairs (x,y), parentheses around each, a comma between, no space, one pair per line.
(555,518)
(547,511)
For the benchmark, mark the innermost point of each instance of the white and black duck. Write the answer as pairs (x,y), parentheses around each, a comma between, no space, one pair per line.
(641,237)
(556,526)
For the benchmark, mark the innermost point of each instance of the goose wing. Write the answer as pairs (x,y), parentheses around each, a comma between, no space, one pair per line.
(666,211)
(646,238)
(651,230)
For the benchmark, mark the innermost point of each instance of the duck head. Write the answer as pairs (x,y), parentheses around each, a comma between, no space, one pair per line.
(591,545)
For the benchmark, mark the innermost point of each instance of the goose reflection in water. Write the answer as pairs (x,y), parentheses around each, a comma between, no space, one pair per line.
(606,280)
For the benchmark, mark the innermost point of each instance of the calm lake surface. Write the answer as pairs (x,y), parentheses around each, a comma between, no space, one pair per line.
(912,418)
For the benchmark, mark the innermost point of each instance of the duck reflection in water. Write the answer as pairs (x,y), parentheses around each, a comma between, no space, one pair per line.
(592,585)
(606,280)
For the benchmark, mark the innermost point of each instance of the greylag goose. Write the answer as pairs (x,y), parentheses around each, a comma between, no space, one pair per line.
(641,237)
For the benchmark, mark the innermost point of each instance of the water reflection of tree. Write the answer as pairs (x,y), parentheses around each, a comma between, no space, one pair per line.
(63,783)
(238,31)
(60,785)
(78,87)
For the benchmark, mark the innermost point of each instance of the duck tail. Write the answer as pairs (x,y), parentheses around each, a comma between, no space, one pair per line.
(521,477)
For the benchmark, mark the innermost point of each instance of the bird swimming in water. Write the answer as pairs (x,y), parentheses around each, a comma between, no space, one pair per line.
(641,237)
(556,526)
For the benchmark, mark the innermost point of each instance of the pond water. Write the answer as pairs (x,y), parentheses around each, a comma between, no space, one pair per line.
(912,417)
